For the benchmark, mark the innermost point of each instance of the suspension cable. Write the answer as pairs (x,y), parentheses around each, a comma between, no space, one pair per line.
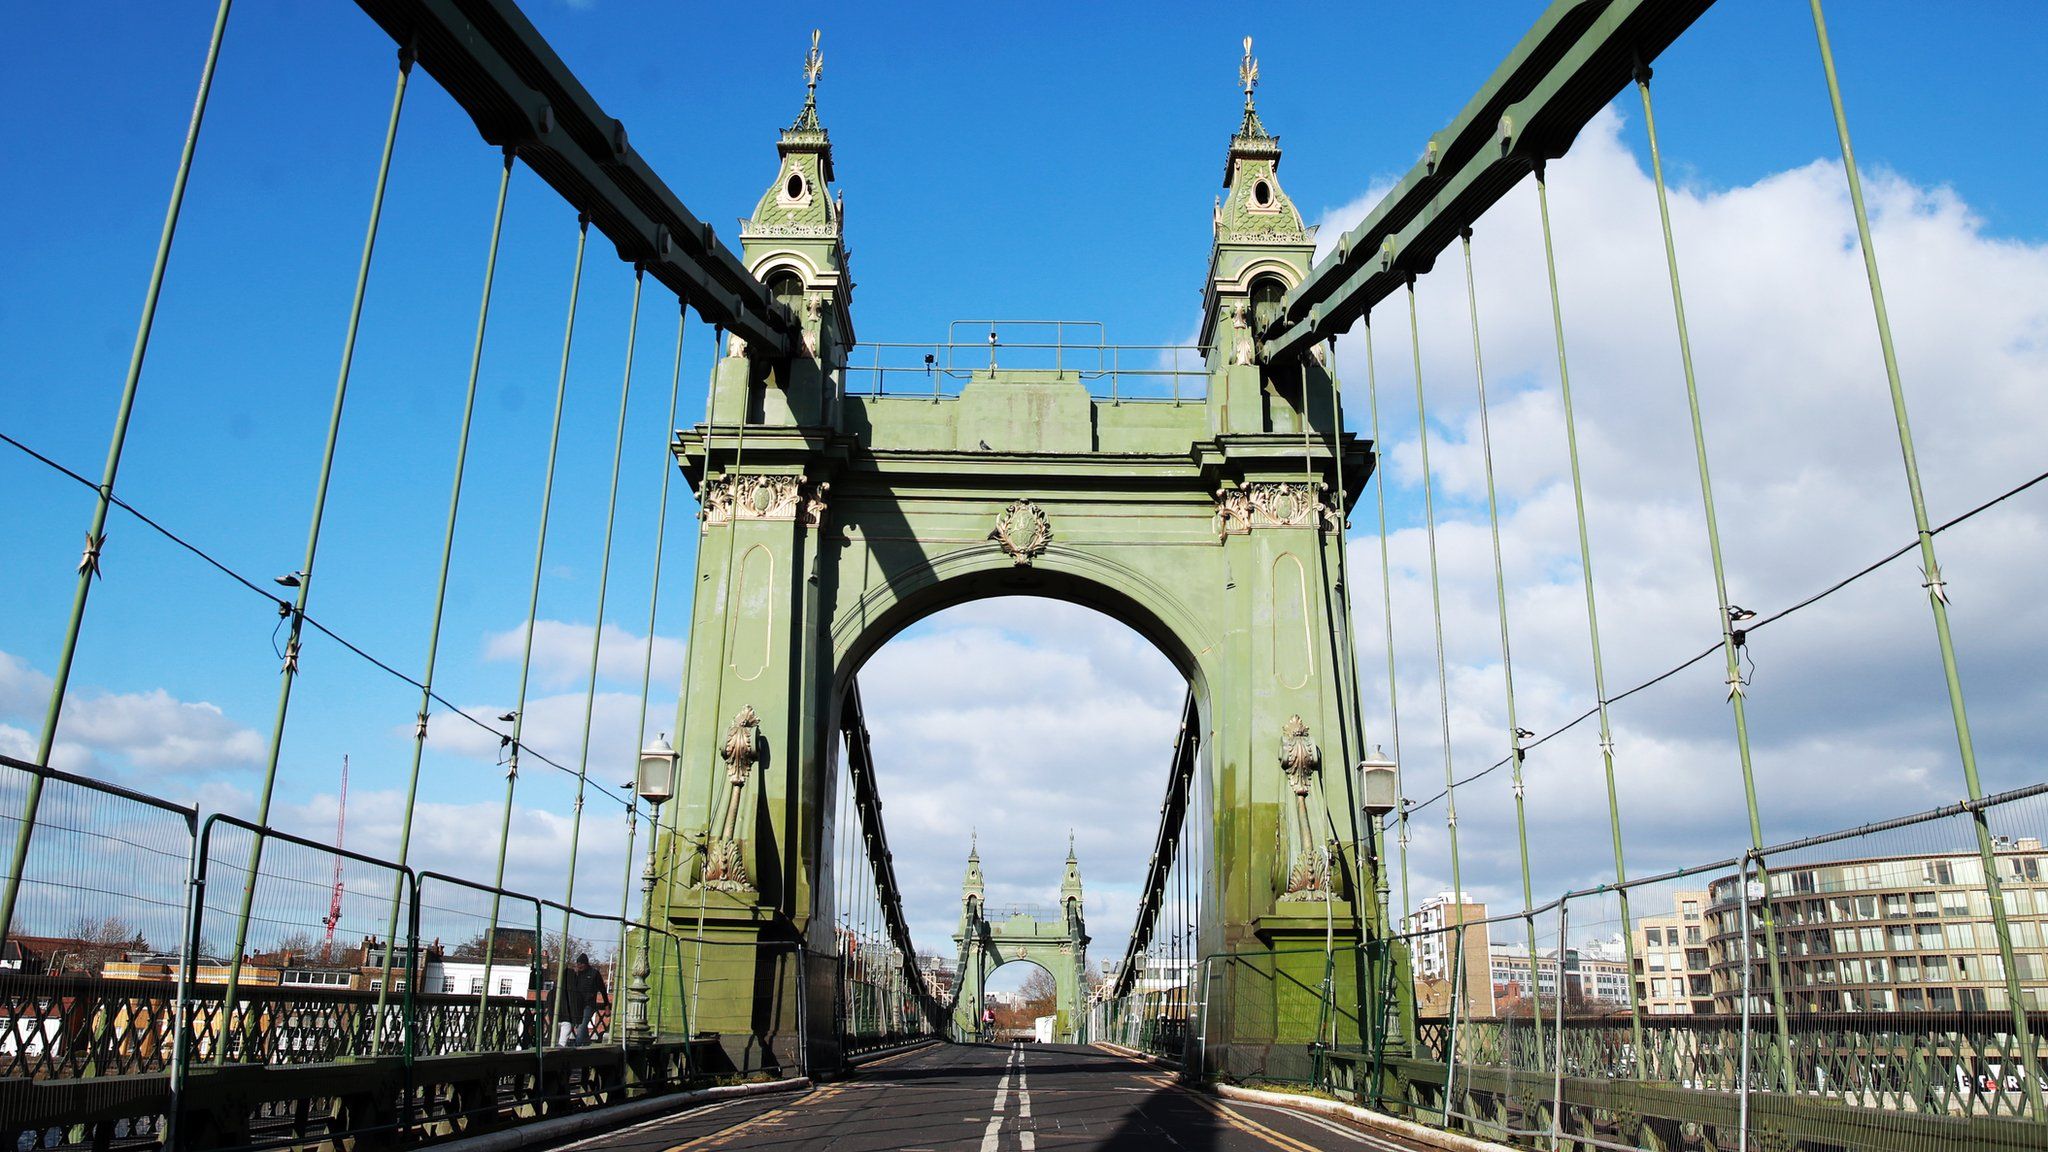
(1500,595)
(96,535)
(1372,393)
(540,547)
(1937,589)
(1571,438)
(303,579)
(1436,606)
(604,575)
(1727,612)
(675,392)
(441,591)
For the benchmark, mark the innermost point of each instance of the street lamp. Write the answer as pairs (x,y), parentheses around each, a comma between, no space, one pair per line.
(654,783)
(1378,791)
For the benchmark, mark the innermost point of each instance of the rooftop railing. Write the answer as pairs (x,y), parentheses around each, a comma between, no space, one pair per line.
(1068,349)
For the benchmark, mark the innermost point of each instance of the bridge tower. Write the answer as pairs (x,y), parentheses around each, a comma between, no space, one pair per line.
(1057,943)
(836,516)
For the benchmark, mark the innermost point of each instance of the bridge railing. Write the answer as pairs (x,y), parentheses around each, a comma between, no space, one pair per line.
(1060,349)
(129,1016)
(1851,990)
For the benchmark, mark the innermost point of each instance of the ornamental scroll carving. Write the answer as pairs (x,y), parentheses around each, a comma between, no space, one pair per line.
(764,497)
(1271,504)
(1022,531)
(1241,334)
(724,866)
(1308,877)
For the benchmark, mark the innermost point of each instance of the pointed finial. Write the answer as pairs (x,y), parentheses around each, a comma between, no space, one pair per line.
(814,63)
(1070,843)
(973,841)
(1248,72)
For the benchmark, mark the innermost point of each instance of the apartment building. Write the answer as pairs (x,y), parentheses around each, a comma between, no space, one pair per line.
(1902,933)
(1673,972)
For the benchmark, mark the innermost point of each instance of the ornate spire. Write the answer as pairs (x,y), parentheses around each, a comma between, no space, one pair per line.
(1248,77)
(1070,846)
(814,63)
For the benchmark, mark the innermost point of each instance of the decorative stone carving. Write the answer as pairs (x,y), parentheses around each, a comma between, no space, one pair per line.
(1272,504)
(1022,531)
(736,347)
(1233,511)
(813,513)
(1308,878)
(814,323)
(1241,328)
(724,867)
(759,497)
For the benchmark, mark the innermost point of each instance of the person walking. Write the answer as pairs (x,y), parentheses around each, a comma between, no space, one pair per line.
(582,993)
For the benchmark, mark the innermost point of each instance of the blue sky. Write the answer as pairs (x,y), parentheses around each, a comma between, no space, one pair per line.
(997,160)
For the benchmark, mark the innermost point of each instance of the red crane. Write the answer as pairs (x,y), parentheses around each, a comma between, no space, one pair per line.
(340,826)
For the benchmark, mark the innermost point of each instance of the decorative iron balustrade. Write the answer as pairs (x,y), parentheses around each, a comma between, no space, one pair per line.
(1938,1063)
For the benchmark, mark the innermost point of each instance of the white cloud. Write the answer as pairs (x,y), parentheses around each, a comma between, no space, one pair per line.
(561,654)
(1021,719)
(1847,711)
(145,730)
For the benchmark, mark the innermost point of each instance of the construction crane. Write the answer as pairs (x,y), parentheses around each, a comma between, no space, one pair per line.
(340,826)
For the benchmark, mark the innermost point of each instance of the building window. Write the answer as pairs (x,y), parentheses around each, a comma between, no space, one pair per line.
(476,984)
(1690,909)
(505,987)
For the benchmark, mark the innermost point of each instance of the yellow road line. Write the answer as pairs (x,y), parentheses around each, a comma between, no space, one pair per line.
(713,1139)
(1250,1126)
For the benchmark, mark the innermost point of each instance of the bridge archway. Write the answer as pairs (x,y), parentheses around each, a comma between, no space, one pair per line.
(1067,1006)
(835,515)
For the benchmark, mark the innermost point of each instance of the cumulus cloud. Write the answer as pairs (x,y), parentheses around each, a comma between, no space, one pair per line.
(1848,714)
(151,730)
(1021,720)
(561,653)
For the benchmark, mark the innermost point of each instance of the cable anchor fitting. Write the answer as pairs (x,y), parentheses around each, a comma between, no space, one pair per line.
(89,560)
(1930,579)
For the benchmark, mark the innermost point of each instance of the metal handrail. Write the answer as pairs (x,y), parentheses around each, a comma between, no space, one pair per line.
(968,360)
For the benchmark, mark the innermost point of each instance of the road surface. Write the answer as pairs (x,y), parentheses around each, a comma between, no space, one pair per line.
(984,1098)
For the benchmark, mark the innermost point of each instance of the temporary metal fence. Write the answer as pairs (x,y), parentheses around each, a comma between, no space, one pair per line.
(131,1019)
(83,1057)
(1868,989)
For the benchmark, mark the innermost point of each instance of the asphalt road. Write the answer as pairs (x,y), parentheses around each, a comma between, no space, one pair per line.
(976,1098)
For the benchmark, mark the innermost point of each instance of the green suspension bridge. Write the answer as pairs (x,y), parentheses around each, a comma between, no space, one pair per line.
(764,987)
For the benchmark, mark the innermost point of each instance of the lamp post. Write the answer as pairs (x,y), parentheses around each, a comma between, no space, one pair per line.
(657,767)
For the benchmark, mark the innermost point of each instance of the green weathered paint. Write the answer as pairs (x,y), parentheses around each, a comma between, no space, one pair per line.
(851,517)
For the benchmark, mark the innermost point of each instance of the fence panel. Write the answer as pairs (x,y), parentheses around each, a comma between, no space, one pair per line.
(481,982)
(89,975)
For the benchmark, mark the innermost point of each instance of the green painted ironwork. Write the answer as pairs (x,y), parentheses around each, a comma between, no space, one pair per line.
(1930,569)
(1387,604)
(96,533)
(303,579)
(447,556)
(604,575)
(1500,596)
(540,550)
(1571,438)
(1727,612)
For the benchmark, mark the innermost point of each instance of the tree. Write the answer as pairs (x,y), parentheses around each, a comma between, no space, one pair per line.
(101,939)
(1039,988)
